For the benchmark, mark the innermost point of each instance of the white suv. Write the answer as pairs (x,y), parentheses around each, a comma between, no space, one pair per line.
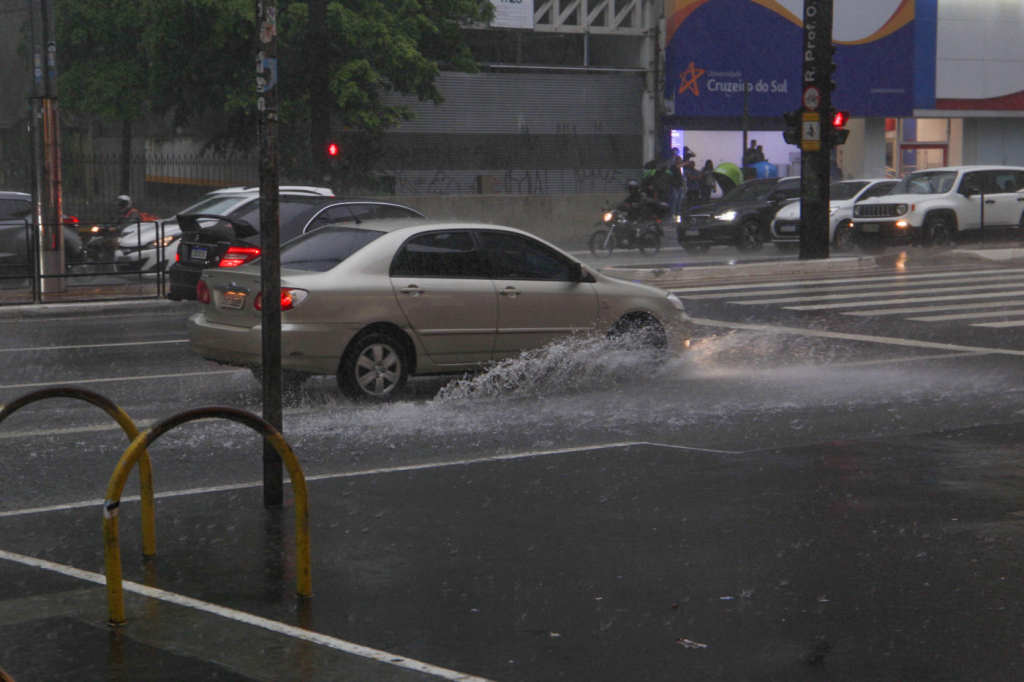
(941,205)
(146,246)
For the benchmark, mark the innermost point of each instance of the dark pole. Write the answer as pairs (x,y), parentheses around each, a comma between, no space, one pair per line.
(319,91)
(815,143)
(47,193)
(746,125)
(270,242)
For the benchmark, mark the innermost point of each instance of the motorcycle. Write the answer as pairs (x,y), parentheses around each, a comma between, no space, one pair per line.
(620,231)
(101,244)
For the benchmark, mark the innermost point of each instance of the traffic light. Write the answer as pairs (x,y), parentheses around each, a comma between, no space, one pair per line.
(829,69)
(836,131)
(333,150)
(793,127)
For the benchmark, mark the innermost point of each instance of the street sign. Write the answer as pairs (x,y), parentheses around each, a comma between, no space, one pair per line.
(810,129)
(812,98)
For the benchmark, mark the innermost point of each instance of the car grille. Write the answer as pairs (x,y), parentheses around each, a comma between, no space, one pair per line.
(877,211)
(695,220)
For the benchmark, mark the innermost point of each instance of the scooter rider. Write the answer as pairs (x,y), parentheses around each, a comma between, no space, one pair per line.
(126,213)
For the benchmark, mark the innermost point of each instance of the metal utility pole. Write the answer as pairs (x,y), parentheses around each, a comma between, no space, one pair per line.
(45,128)
(816,134)
(270,243)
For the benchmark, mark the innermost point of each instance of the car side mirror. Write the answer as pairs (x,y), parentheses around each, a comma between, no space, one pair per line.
(971,190)
(578,274)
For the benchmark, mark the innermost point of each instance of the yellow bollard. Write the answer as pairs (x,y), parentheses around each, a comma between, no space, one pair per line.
(134,453)
(127,425)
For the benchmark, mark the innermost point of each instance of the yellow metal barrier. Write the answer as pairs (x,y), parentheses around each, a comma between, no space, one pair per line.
(135,453)
(145,469)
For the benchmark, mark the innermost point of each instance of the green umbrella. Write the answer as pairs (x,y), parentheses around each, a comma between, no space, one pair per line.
(728,175)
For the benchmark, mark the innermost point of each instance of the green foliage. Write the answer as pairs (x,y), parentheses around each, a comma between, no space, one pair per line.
(194,58)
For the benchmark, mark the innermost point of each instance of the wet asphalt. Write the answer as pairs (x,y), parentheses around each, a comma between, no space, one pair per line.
(867,528)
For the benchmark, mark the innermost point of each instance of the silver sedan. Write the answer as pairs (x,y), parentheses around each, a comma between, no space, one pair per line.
(376,303)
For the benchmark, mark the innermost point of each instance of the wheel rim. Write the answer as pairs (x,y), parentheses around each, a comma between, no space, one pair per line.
(941,234)
(601,243)
(378,369)
(750,238)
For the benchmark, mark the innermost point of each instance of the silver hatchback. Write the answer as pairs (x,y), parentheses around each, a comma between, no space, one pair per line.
(375,304)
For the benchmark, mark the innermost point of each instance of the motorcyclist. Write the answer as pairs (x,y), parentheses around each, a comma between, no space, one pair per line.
(126,213)
(638,206)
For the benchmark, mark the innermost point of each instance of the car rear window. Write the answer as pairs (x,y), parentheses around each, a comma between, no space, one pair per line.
(14,209)
(325,248)
(288,208)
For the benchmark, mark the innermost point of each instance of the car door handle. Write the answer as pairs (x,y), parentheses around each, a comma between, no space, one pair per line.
(412,290)
(511,292)
(1020,198)
(990,201)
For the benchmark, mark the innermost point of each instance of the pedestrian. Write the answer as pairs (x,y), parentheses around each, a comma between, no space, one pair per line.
(707,181)
(692,175)
(750,154)
(759,155)
(678,183)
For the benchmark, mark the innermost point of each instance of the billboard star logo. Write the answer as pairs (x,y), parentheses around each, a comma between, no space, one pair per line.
(688,80)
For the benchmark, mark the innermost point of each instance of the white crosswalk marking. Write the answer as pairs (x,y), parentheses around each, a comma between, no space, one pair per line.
(992,298)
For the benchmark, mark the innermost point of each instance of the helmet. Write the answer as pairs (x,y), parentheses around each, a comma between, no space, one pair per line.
(123,202)
(632,186)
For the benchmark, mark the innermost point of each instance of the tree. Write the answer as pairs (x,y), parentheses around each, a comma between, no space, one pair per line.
(195,60)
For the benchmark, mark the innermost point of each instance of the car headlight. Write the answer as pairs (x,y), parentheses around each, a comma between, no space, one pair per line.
(901,209)
(165,241)
(857,211)
(676,303)
(608,216)
(726,217)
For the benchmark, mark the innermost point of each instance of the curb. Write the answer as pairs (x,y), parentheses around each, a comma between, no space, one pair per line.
(41,310)
(663,277)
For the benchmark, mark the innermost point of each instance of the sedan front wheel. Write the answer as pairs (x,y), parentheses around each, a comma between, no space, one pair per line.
(373,368)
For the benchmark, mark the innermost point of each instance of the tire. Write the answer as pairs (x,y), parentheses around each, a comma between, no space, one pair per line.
(750,236)
(641,332)
(374,368)
(649,243)
(845,238)
(696,248)
(939,231)
(601,245)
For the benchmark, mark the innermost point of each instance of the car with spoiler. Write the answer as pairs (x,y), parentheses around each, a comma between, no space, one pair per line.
(375,303)
(222,241)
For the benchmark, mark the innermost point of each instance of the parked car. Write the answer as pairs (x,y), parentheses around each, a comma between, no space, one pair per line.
(742,218)
(150,245)
(942,205)
(16,231)
(843,195)
(377,302)
(235,240)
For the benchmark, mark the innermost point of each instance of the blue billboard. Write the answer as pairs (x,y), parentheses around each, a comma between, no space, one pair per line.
(716,49)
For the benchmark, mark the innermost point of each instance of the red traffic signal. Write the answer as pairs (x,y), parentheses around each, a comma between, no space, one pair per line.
(839,119)
(333,149)
(837,133)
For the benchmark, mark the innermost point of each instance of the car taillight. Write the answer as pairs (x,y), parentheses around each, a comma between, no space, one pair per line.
(238,255)
(202,292)
(70,220)
(290,298)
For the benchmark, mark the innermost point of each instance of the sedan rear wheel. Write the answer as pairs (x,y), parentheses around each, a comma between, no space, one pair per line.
(373,368)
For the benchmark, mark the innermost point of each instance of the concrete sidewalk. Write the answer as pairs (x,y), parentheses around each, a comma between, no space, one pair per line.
(889,559)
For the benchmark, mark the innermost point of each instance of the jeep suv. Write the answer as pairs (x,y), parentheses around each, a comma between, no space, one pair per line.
(942,205)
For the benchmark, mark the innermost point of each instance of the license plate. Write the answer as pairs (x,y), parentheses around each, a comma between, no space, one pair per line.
(870,227)
(693,233)
(787,228)
(198,253)
(232,299)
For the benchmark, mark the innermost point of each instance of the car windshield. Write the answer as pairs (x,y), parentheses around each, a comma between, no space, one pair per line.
(325,248)
(843,191)
(756,190)
(926,182)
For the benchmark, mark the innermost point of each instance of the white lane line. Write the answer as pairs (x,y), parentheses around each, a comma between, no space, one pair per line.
(968,316)
(95,428)
(249,619)
(76,382)
(852,280)
(877,296)
(888,340)
(896,288)
(368,472)
(930,308)
(90,345)
(1000,325)
(898,301)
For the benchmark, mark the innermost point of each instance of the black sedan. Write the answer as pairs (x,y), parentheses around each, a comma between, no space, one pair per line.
(210,241)
(742,218)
